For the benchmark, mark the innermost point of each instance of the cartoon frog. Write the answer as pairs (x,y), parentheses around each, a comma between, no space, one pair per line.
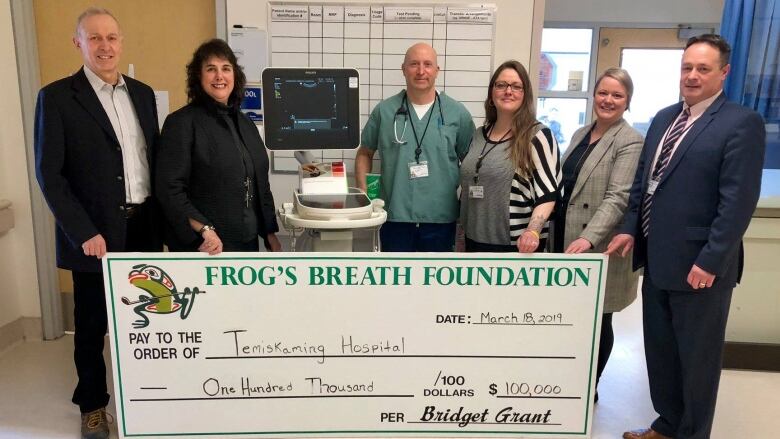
(164,299)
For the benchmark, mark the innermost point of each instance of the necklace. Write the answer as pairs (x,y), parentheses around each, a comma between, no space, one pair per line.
(588,147)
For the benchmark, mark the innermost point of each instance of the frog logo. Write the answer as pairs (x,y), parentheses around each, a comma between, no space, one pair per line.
(162,297)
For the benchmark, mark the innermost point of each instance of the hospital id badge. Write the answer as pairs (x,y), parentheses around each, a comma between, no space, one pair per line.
(652,186)
(476,192)
(418,170)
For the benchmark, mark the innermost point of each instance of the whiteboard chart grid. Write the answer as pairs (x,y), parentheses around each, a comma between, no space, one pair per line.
(373,39)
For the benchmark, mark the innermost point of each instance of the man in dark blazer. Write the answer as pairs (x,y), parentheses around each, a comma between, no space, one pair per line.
(94,140)
(694,192)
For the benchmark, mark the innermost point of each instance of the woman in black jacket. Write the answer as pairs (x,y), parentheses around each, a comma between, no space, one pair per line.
(212,167)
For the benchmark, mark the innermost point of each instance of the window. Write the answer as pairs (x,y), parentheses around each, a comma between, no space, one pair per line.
(656,75)
(564,74)
(565,55)
(563,116)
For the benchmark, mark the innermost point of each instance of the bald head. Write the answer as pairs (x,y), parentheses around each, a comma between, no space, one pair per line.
(421,50)
(420,69)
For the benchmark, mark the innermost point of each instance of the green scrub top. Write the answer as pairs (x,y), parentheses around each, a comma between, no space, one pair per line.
(431,199)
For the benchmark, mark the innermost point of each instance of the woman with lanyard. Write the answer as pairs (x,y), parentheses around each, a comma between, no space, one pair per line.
(510,177)
(597,174)
(212,172)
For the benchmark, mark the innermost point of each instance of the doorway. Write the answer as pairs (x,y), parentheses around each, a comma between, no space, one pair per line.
(652,58)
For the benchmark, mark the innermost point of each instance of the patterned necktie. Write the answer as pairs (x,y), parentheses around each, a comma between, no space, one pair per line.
(677,130)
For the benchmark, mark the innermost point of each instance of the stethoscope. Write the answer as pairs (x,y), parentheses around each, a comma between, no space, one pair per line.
(403,110)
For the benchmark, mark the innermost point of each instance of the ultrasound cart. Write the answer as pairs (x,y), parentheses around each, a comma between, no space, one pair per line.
(331,219)
(317,109)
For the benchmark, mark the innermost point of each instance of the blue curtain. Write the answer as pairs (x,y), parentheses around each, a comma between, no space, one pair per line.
(752,27)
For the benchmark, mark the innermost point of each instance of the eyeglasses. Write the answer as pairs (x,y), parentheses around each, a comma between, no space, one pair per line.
(502,86)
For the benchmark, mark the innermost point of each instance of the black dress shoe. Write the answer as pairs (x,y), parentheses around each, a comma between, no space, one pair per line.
(645,433)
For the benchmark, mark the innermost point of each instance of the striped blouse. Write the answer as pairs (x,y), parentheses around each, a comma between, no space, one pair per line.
(543,186)
(490,219)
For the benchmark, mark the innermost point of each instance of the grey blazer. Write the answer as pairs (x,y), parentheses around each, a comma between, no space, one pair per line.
(598,202)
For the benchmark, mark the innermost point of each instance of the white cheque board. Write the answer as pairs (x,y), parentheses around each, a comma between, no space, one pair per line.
(407,345)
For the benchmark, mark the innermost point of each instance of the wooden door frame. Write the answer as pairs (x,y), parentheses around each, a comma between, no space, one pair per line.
(640,40)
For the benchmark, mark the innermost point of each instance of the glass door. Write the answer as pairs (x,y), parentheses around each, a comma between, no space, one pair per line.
(652,58)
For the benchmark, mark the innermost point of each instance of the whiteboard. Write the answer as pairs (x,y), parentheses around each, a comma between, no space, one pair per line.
(373,39)
(249,46)
(242,345)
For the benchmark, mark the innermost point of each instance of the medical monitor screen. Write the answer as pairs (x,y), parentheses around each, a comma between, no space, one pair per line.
(311,108)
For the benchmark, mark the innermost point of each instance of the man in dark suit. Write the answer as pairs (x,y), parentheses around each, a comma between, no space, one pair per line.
(695,189)
(94,140)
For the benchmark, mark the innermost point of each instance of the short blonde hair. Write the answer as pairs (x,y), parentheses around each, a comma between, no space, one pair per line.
(621,76)
(89,12)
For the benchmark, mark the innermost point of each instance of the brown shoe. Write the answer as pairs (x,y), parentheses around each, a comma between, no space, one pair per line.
(94,425)
(645,433)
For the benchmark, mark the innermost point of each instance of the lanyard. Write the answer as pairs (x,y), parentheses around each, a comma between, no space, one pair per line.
(484,153)
(419,141)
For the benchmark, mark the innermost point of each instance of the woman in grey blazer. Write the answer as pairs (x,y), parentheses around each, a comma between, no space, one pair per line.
(598,170)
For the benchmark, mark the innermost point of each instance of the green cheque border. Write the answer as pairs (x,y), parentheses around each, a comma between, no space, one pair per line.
(362,433)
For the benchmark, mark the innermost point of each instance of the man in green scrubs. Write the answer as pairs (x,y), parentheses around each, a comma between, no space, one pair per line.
(421,136)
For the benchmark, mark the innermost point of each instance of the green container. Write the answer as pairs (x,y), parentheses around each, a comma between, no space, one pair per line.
(372,185)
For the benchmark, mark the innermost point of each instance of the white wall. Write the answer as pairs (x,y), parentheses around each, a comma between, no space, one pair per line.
(19,295)
(634,11)
(514,40)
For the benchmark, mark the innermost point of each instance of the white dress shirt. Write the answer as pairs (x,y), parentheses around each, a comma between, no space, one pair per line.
(115,100)
(696,111)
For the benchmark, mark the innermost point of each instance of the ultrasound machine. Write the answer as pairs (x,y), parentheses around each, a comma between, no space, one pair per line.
(313,109)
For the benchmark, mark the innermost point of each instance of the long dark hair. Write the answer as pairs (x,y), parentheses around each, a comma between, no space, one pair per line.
(523,121)
(220,49)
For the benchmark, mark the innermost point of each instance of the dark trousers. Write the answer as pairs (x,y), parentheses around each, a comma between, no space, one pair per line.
(91,318)
(684,333)
(417,237)
(606,341)
(480,247)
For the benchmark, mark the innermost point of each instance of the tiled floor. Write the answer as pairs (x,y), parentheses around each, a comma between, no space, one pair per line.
(36,380)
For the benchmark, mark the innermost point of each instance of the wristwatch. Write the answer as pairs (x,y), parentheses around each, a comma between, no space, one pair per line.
(206,227)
